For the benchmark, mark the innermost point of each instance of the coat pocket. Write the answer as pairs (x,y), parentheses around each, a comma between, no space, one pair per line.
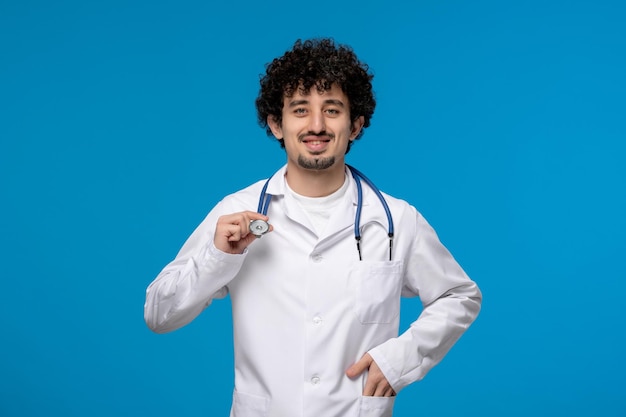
(378,289)
(248,405)
(376,406)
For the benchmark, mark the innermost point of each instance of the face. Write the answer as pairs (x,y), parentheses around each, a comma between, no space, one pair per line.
(316,129)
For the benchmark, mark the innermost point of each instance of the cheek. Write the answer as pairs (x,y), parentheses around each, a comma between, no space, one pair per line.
(289,128)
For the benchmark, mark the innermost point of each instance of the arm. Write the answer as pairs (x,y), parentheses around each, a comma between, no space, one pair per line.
(208,261)
(451,303)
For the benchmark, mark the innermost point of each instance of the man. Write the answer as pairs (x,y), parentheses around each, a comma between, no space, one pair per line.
(316,319)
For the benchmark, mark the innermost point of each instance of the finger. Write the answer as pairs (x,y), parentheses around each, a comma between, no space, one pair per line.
(384,390)
(241,218)
(381,389)
(256,216)
(246,241)
(369,390)
(247,216)
(234,227)
(228,238)
(359,367)
(377,382)
(232,232)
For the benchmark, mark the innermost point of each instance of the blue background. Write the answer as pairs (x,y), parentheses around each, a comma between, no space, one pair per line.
(123,123)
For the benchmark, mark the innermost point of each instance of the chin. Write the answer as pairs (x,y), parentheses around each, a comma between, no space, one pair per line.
(316,163)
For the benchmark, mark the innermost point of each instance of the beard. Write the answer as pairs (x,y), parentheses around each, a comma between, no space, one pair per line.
(317,163)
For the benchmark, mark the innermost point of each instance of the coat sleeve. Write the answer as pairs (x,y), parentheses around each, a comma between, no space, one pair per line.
(451,302)
(188,284)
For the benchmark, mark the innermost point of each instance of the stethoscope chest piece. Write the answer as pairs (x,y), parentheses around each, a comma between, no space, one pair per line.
(259,227)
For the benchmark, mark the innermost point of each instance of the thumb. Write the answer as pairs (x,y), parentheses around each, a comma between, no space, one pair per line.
(361,366)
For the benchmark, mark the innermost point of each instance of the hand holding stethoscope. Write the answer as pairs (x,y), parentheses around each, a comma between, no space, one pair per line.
(233,233)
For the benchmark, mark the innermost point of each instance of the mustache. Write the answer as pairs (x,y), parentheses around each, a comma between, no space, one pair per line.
(321,134)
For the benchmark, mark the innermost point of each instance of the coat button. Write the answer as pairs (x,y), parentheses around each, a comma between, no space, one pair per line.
(315,380)
(316,257)
(317,320)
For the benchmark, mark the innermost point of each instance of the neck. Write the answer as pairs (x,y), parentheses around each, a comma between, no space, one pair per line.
(315,183)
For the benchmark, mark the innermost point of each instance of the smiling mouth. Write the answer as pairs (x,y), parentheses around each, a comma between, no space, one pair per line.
(316,146)
(316,141)
(321,136)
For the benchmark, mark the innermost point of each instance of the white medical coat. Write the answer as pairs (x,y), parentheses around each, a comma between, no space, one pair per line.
(305,308)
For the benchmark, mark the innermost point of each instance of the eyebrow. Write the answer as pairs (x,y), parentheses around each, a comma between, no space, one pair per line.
(336,102)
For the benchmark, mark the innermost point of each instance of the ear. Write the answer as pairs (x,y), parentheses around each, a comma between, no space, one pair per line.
(275,127)
(357,125)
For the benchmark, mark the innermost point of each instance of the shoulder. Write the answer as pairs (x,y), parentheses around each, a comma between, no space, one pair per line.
(399,207)
(407,218)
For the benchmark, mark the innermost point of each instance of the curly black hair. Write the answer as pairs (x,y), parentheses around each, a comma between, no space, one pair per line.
(319,63)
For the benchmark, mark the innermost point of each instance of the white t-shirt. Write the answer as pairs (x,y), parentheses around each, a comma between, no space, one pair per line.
(319,209)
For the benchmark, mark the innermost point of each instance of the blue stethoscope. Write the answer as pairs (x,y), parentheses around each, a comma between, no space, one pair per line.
(260,227)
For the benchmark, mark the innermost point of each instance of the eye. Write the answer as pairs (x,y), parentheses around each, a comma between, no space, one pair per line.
(332,112)
(299,111)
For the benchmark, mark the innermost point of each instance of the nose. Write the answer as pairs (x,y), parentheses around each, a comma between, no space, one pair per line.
(317,123)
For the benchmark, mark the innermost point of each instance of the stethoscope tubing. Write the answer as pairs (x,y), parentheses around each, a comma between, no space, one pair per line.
(358,176)
(265,199)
